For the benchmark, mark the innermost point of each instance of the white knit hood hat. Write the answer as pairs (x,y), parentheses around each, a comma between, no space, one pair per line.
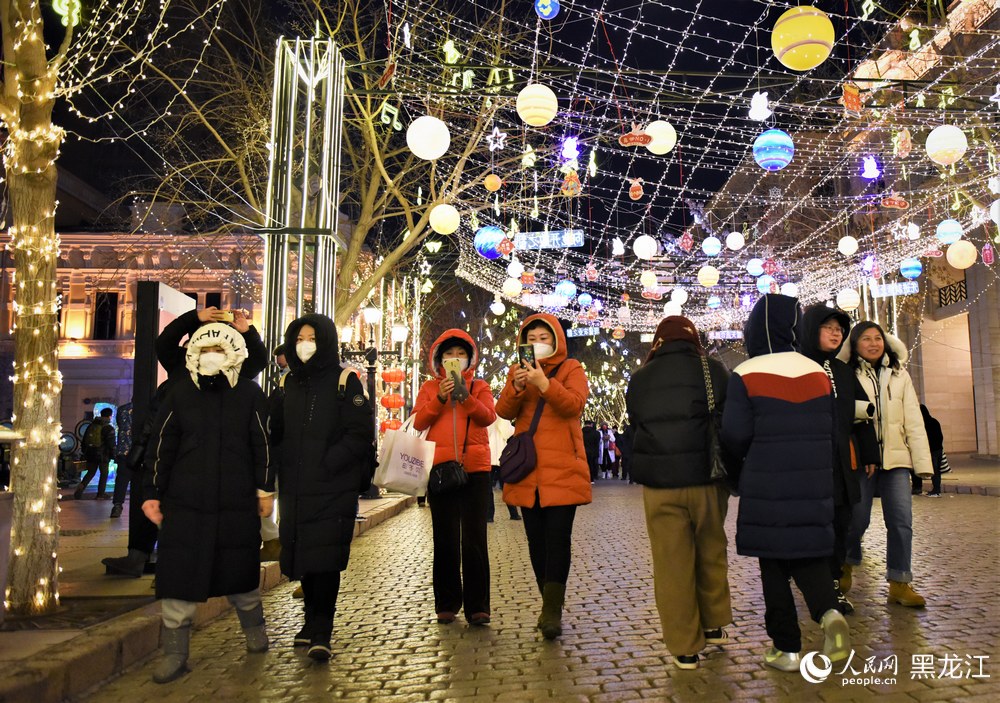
(217,334)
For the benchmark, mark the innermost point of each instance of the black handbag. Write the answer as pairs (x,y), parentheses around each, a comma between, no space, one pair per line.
(450,475)
(518,458)
(718,471)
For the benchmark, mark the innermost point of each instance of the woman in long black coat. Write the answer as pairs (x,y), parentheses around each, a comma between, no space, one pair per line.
(322,439)
(210,480)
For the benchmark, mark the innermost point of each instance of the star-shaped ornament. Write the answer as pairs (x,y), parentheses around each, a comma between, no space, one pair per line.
(496,139)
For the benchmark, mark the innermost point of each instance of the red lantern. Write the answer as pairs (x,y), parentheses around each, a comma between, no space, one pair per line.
(625,297)
(686,242)
(390,424)
(988,254)
(394,376)
(770,267)
(618,333)
(635,190)
(392,401)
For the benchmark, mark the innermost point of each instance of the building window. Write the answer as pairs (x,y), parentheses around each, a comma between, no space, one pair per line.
(213,299)
(105,315)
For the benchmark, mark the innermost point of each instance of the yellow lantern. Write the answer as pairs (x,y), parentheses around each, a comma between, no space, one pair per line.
(444,218)
(802,38)
(962,254)
(708,276)
(848,299)
(492,182)
(536,104)
(946,144)
(648,280)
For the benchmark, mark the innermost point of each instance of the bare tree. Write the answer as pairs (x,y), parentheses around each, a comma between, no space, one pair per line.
(116,39)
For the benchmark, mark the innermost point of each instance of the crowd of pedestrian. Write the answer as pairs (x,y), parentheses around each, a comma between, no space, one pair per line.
(819,418)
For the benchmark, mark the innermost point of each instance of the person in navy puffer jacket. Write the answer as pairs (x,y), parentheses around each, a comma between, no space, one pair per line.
(779,417)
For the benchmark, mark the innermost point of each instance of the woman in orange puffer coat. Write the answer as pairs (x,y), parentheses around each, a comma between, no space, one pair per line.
(561,479)
(457,409)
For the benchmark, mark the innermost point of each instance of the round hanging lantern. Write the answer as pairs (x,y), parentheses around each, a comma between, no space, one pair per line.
(708,276)
(664,137)
(444,219)
(735,241)
(566,289)
(802,38)
(585,300)
(962,254)
(714,302)
(645,247)
(848,299)
(949,231)
(755,267)
(679,296)
(618,333)
(847,245)
(765,283)
(515,268)
(391,401)
(547,9)
(913,230)
(790,289)
(492,182)
(390,424)
(393,376)
(536,104)
(487,240)
(672,308)
(946,144)
(910,268)
(512,287)
(428,137)
(647,279)
(773,150)
(711,246)
(995,212)
(497,307)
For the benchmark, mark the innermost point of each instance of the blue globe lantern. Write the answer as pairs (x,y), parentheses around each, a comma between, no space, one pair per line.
(764,284)
(711,246)
(714,302)
(487,240)
(949,231)
(547,9)
(585,300)
(911,268)
(773,150)
(566,289)
(755,267)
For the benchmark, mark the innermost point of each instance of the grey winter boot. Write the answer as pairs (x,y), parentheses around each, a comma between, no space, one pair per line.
(173,663)
(550,622)
(252,622)
(131,565)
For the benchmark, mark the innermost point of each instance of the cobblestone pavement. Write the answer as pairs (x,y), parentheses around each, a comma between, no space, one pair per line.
(387,646)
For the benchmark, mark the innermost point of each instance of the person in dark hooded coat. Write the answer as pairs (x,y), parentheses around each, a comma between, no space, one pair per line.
(322,438)
(779,418)
(824,331)
(209,482)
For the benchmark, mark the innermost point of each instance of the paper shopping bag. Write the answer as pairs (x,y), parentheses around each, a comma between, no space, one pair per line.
(405,461)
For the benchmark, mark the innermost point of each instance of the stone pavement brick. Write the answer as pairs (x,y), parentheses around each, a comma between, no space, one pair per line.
(387,646)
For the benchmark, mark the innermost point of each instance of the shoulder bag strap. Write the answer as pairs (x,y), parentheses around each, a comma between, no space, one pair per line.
(709,390)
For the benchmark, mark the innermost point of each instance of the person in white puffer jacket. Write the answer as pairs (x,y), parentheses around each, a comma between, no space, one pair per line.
(878,360)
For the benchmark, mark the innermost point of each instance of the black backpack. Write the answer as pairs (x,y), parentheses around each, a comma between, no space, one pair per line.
(370,460)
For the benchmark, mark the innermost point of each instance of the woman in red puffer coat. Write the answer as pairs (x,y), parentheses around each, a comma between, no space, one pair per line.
(456,409)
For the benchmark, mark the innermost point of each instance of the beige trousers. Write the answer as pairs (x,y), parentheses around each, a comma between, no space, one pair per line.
(690,571)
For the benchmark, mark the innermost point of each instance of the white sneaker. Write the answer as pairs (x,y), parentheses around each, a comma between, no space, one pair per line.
(782,661)
(837,645)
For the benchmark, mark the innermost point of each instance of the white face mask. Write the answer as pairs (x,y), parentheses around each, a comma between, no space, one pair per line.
(211,363)
(305,350)
(463,363)
(543,351)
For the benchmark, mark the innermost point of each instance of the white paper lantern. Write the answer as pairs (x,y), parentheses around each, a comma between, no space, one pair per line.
(428,137)
(444,219)
(679,296)
(512,287)
(497,307)
(848,299)
(949,231)
(913,230)
(962,254)
(735,241)
(537,105)
(708,276)
(623,314)
(515,268)
(711,246)
(995,211)
(847,245)
(664,137)
(647,279)
(672,309)
(946,144)
(645,247)
(790,289)
(755,267)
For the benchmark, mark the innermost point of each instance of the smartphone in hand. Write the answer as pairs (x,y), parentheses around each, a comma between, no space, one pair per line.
(526,355)
(225,315)
(452,366)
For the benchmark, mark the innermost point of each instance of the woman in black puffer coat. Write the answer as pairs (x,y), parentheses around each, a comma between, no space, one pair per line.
(322,439)
(667,403)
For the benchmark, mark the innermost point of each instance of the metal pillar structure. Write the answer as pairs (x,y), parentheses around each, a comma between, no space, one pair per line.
(303,186)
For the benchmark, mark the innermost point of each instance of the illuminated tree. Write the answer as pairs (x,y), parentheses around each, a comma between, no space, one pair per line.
(113,40)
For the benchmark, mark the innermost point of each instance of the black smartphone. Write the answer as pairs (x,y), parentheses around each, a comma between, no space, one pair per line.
(526,354)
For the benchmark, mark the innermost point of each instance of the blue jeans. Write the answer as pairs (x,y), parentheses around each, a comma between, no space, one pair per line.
(897,500)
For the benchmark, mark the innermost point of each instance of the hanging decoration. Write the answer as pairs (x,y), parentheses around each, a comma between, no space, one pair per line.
(790,289)
(644,247)
(496,139)
(487,241)
(571,185)
(664,137)
(850,98)
(962,254)
(988,255)
(911,268)
(637,137)
(773,150)
(428,138)
(708,276)
(492,182)
(894,202)
(755,267)
(590,273)
(847,245)
(802,38)
(946,145)
(444,218)
(949,231)
(902,143)
(635,190)
(537,104)
(711,246)
(547,9)
(871,171)
(848,299)
(759,110)
(686,242)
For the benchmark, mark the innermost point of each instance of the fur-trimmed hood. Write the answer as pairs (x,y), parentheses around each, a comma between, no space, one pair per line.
(217,334)
(457,337)
(892,342)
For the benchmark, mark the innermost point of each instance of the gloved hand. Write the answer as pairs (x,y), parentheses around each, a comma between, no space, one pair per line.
(460,392)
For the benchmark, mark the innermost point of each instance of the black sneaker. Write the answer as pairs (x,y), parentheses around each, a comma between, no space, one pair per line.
(716,636)
(686,661)
(302,638)
(843,605)
(319,648)
(116,510)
